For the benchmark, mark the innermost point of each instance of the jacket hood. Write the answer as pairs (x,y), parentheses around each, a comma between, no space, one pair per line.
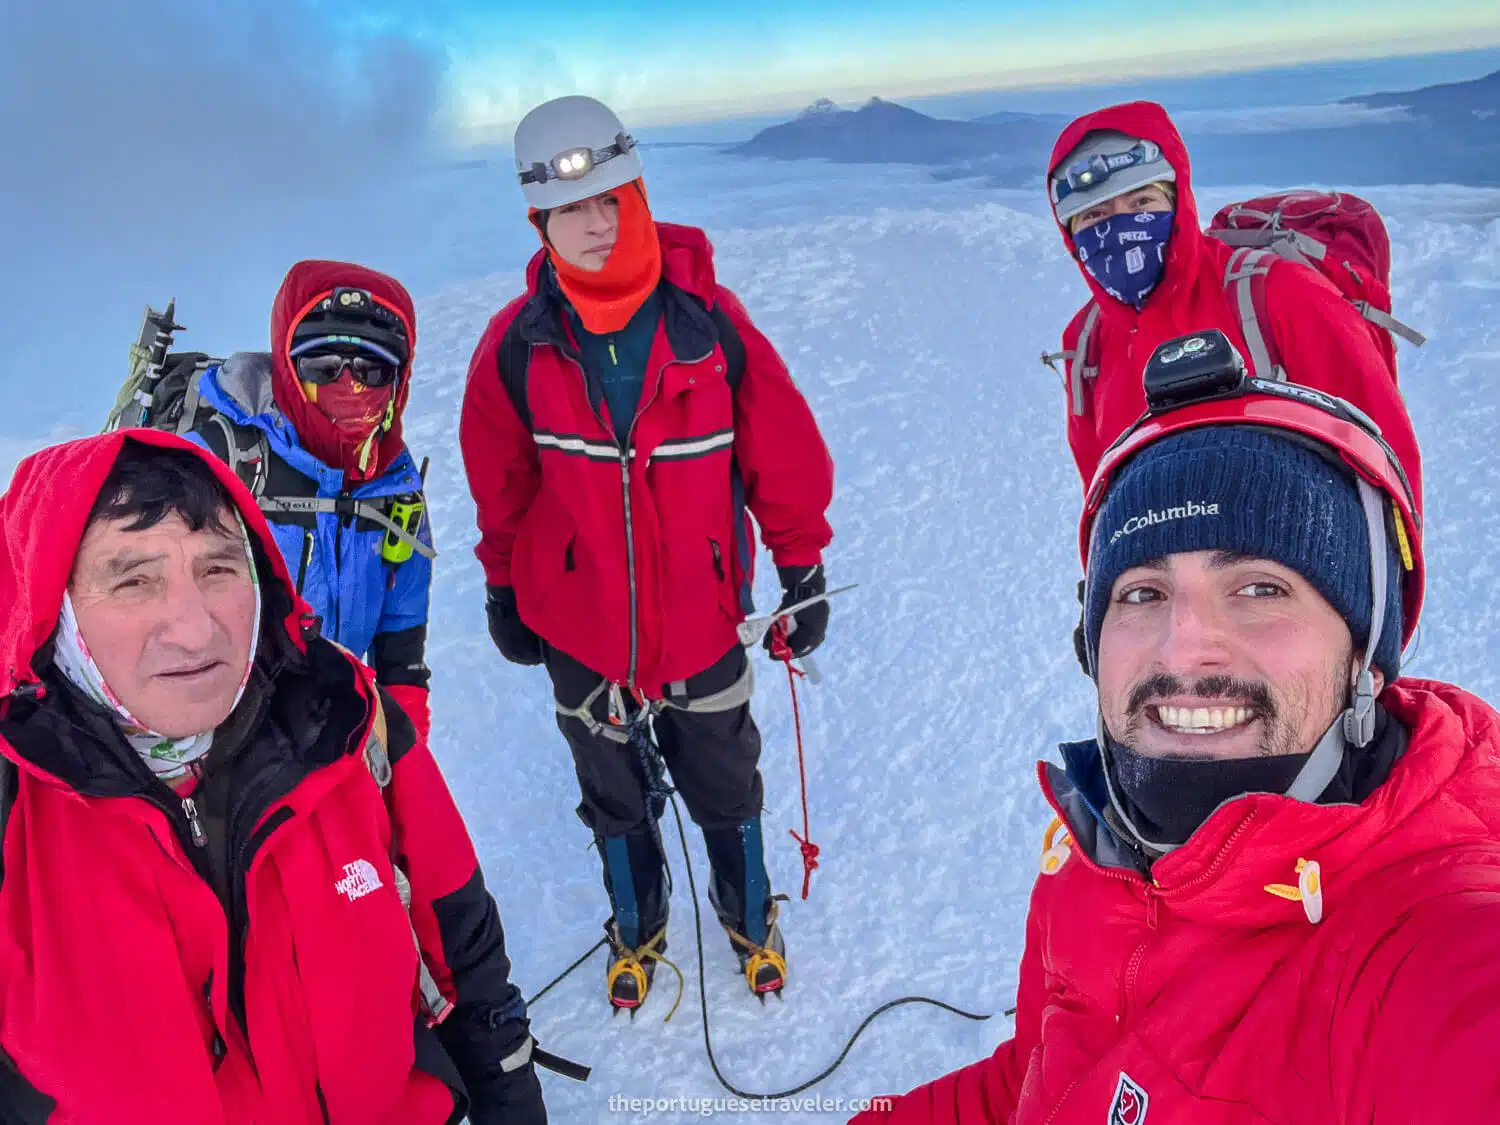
(305,284)
(43,516)
(1148,121)
(687,261)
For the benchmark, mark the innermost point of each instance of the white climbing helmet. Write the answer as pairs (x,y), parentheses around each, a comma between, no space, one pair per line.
(571,148)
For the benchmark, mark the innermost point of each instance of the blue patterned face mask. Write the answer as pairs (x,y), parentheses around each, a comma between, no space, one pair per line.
(1126,253)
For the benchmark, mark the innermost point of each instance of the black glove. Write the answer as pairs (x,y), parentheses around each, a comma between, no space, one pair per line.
(515,640)
(801,583)
(1080,642)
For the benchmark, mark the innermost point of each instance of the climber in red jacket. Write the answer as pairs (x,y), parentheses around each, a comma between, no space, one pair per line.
(622,422)
(1158,276)
(209,815)
(1271,892)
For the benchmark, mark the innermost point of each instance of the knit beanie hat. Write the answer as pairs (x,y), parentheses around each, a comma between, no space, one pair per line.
(1244,489)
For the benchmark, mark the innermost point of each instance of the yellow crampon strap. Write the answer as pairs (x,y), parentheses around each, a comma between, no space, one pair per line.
(761,955)
(629,962)
(759,960)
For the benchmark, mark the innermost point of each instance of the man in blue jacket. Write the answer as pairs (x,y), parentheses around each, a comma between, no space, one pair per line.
(314,428)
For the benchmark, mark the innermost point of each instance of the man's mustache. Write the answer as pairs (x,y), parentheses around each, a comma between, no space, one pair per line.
(1233,691)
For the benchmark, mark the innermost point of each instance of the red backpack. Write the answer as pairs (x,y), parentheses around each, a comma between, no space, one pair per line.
(1339,235)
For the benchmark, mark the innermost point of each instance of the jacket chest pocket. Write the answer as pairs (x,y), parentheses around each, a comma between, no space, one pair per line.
(698,389)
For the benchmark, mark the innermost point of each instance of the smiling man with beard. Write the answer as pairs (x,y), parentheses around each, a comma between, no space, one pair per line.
(1271,892)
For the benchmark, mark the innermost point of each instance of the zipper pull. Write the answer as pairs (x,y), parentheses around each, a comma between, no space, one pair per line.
(612,357)
(190,808)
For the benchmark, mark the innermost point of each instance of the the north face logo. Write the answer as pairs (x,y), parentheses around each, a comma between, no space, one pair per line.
(360,878)
(1129,1106)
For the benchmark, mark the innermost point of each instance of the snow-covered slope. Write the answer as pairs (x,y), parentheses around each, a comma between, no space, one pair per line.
(912,315)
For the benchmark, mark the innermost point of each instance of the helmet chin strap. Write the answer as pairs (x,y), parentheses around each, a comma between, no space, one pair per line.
(1355,726)
(1359,720)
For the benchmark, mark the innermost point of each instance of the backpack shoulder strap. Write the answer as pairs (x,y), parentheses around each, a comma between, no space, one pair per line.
(377,752)
(514,361)
(1245,286)
(192,396)
(247,450)
(435,1005)
(732,345)
(1082,360)
(1383,319)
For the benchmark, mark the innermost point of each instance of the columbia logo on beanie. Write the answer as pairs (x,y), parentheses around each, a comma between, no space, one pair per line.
(1246,490)
(1152,517)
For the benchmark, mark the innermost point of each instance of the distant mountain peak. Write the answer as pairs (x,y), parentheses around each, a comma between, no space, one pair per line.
(823,107)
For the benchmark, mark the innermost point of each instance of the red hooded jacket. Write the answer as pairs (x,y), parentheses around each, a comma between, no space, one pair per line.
(305,284)
(1199,997)
(1321,339)
(557,501)
(130,992)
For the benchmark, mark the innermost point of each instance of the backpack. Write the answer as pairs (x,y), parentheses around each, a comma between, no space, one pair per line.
(162,392)
(1338,234)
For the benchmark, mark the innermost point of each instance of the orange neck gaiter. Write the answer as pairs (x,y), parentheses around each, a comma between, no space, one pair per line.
(606,299)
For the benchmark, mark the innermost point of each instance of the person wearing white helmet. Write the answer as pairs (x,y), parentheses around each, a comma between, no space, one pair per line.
(622,422)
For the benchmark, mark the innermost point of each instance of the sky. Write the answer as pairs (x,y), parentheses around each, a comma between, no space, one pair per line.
(667,61)
(174,148)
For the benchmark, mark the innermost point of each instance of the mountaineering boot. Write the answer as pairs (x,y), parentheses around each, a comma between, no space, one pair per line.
(631,969)
(763,965)
(634,878)
(740,892)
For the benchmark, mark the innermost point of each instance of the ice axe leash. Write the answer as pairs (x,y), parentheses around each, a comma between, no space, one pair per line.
(783,652)
(780,625)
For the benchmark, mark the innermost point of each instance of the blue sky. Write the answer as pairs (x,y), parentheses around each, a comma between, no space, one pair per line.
(664,61)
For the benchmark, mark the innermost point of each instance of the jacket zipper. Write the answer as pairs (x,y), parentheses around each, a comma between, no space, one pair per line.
(629,534)
(219,1047)
(195,825)
(624,451)
(1132,968)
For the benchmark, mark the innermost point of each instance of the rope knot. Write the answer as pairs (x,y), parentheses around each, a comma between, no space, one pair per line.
(809,860)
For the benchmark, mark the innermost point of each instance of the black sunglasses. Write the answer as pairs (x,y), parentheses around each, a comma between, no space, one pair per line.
(326,367)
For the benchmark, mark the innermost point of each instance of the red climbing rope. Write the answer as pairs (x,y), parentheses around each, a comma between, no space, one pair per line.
(783,652)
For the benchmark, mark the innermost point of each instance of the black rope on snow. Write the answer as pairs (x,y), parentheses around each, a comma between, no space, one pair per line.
(703,1000)
(656,787)
(562,976)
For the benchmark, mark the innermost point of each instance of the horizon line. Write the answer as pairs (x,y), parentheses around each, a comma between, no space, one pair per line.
(1200,63)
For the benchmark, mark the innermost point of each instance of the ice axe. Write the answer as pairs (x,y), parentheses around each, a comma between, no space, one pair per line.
(753,629)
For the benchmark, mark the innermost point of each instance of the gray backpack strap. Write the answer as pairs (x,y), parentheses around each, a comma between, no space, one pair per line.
(1245,265)
(192,394)
(1292,245)
(1385,320)
(323,505)
(255,459)
(1078,368)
